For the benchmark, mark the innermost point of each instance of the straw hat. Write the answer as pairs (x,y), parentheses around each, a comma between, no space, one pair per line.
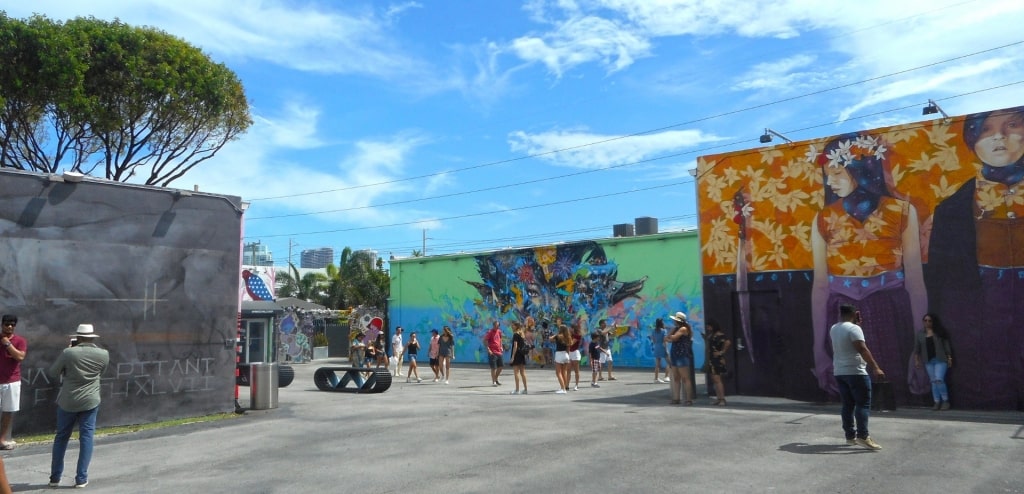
(85,331)
(678,317)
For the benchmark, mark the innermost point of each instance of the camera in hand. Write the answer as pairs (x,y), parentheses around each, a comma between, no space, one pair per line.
(74,341)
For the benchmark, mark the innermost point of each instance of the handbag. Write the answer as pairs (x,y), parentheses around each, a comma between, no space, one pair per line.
(882,397)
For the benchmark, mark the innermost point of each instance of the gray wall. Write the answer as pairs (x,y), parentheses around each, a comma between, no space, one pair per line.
(156,274)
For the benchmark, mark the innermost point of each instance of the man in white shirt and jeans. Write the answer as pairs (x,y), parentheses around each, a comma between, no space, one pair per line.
(397,349)
(850,359)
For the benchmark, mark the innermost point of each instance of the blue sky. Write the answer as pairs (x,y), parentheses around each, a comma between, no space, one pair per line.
(491,124)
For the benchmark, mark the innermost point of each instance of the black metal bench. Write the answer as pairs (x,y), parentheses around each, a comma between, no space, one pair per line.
(353,379)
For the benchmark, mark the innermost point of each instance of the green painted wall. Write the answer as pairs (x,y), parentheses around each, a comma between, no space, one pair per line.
(629,281)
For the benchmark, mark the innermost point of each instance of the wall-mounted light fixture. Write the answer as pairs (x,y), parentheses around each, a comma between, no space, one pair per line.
(692,172)
(73,177)
(767,136)
(933,108)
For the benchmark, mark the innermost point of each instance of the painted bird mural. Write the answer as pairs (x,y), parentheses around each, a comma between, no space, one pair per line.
(255,286)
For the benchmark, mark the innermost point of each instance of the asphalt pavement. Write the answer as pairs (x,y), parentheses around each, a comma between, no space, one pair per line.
(470,436)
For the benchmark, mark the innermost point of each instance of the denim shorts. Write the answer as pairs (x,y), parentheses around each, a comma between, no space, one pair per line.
(679,361)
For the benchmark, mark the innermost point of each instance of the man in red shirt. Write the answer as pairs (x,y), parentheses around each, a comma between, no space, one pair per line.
(12,352)
(492,340)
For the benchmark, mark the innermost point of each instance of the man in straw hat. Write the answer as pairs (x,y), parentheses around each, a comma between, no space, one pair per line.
(79,400)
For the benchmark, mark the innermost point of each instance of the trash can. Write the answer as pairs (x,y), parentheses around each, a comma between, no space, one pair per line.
(263,385)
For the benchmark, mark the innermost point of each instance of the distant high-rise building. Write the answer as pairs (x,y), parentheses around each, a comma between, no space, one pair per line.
(371,255)
(257,254)
(316,258)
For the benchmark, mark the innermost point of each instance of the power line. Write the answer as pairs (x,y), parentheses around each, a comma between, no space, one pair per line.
(622,165)
(485,213)
(649,131)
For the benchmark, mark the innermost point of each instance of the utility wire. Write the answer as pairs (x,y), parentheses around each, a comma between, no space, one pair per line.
(622,165)
(649,131)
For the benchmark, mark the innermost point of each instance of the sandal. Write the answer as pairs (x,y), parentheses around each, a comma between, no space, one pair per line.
(720,403)
(673,402)
(688,402)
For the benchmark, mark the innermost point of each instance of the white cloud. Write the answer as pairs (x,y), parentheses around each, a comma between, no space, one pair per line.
(582,40)
(777,75)
(581,152)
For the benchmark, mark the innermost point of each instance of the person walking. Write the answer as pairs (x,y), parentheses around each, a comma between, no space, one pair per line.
(658,346)
(520,350)
(397,350)
(411,349)
(446,351)
(717,344)
(850,360)
(380,351)
(680,359)
(575,355)
(495,351)
(80,367)
(933,351)
(562,339)
(11,356)
(357,350)
(432,352)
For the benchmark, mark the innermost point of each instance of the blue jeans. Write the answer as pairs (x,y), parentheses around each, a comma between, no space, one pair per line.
(855,391)
(86,427)
(937,374)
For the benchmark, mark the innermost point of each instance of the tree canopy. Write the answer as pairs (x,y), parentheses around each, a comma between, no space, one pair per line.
(355,281)
(108,99)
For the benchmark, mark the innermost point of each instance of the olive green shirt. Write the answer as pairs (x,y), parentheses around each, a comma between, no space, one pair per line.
(81,367)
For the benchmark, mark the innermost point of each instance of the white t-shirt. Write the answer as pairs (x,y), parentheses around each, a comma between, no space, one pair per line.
(846,361)
(396,344)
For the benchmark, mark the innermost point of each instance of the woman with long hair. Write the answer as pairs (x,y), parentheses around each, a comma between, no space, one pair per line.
(520,349)
(866,246)
(576,341)
(658,347)
(445,352)
(933,351)
(680,359)
(411,349)
(717,345)
(562,339)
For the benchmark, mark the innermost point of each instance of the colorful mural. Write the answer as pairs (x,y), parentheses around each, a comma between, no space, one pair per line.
(628,282)
(257,283)
(899,221)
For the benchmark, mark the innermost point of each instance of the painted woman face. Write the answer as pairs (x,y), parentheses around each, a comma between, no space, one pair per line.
(1001,141)
(839,180)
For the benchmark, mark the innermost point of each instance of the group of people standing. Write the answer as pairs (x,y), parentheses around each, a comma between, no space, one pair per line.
(78,367)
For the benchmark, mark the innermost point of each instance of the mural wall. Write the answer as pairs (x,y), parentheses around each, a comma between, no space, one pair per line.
(628,281)
(900,221)
(155,273)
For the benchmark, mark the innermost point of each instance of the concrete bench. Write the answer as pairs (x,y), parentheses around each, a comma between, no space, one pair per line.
(352,379)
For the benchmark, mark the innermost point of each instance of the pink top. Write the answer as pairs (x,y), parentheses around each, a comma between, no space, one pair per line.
(493,341)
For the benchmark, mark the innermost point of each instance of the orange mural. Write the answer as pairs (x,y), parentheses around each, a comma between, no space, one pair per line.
(784,187)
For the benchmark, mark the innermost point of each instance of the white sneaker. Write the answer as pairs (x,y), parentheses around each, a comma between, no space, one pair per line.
(576,387)
(560,392)
(494,383)
(524,392)
(513,392)
(419,380)
(446,381)
(435,379)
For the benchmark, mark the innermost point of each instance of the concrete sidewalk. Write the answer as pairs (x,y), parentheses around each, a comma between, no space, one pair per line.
(469,436)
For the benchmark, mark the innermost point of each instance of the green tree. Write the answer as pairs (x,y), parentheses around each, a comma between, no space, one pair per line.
(110,99)
(357,281)
(311,287)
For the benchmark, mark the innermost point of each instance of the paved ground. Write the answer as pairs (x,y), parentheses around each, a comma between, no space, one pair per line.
(471,437)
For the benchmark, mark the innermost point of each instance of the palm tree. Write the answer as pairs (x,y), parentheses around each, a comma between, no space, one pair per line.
(356,281)
(310,287)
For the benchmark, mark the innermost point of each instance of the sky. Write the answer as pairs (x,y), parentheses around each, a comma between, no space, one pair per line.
(445,126)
